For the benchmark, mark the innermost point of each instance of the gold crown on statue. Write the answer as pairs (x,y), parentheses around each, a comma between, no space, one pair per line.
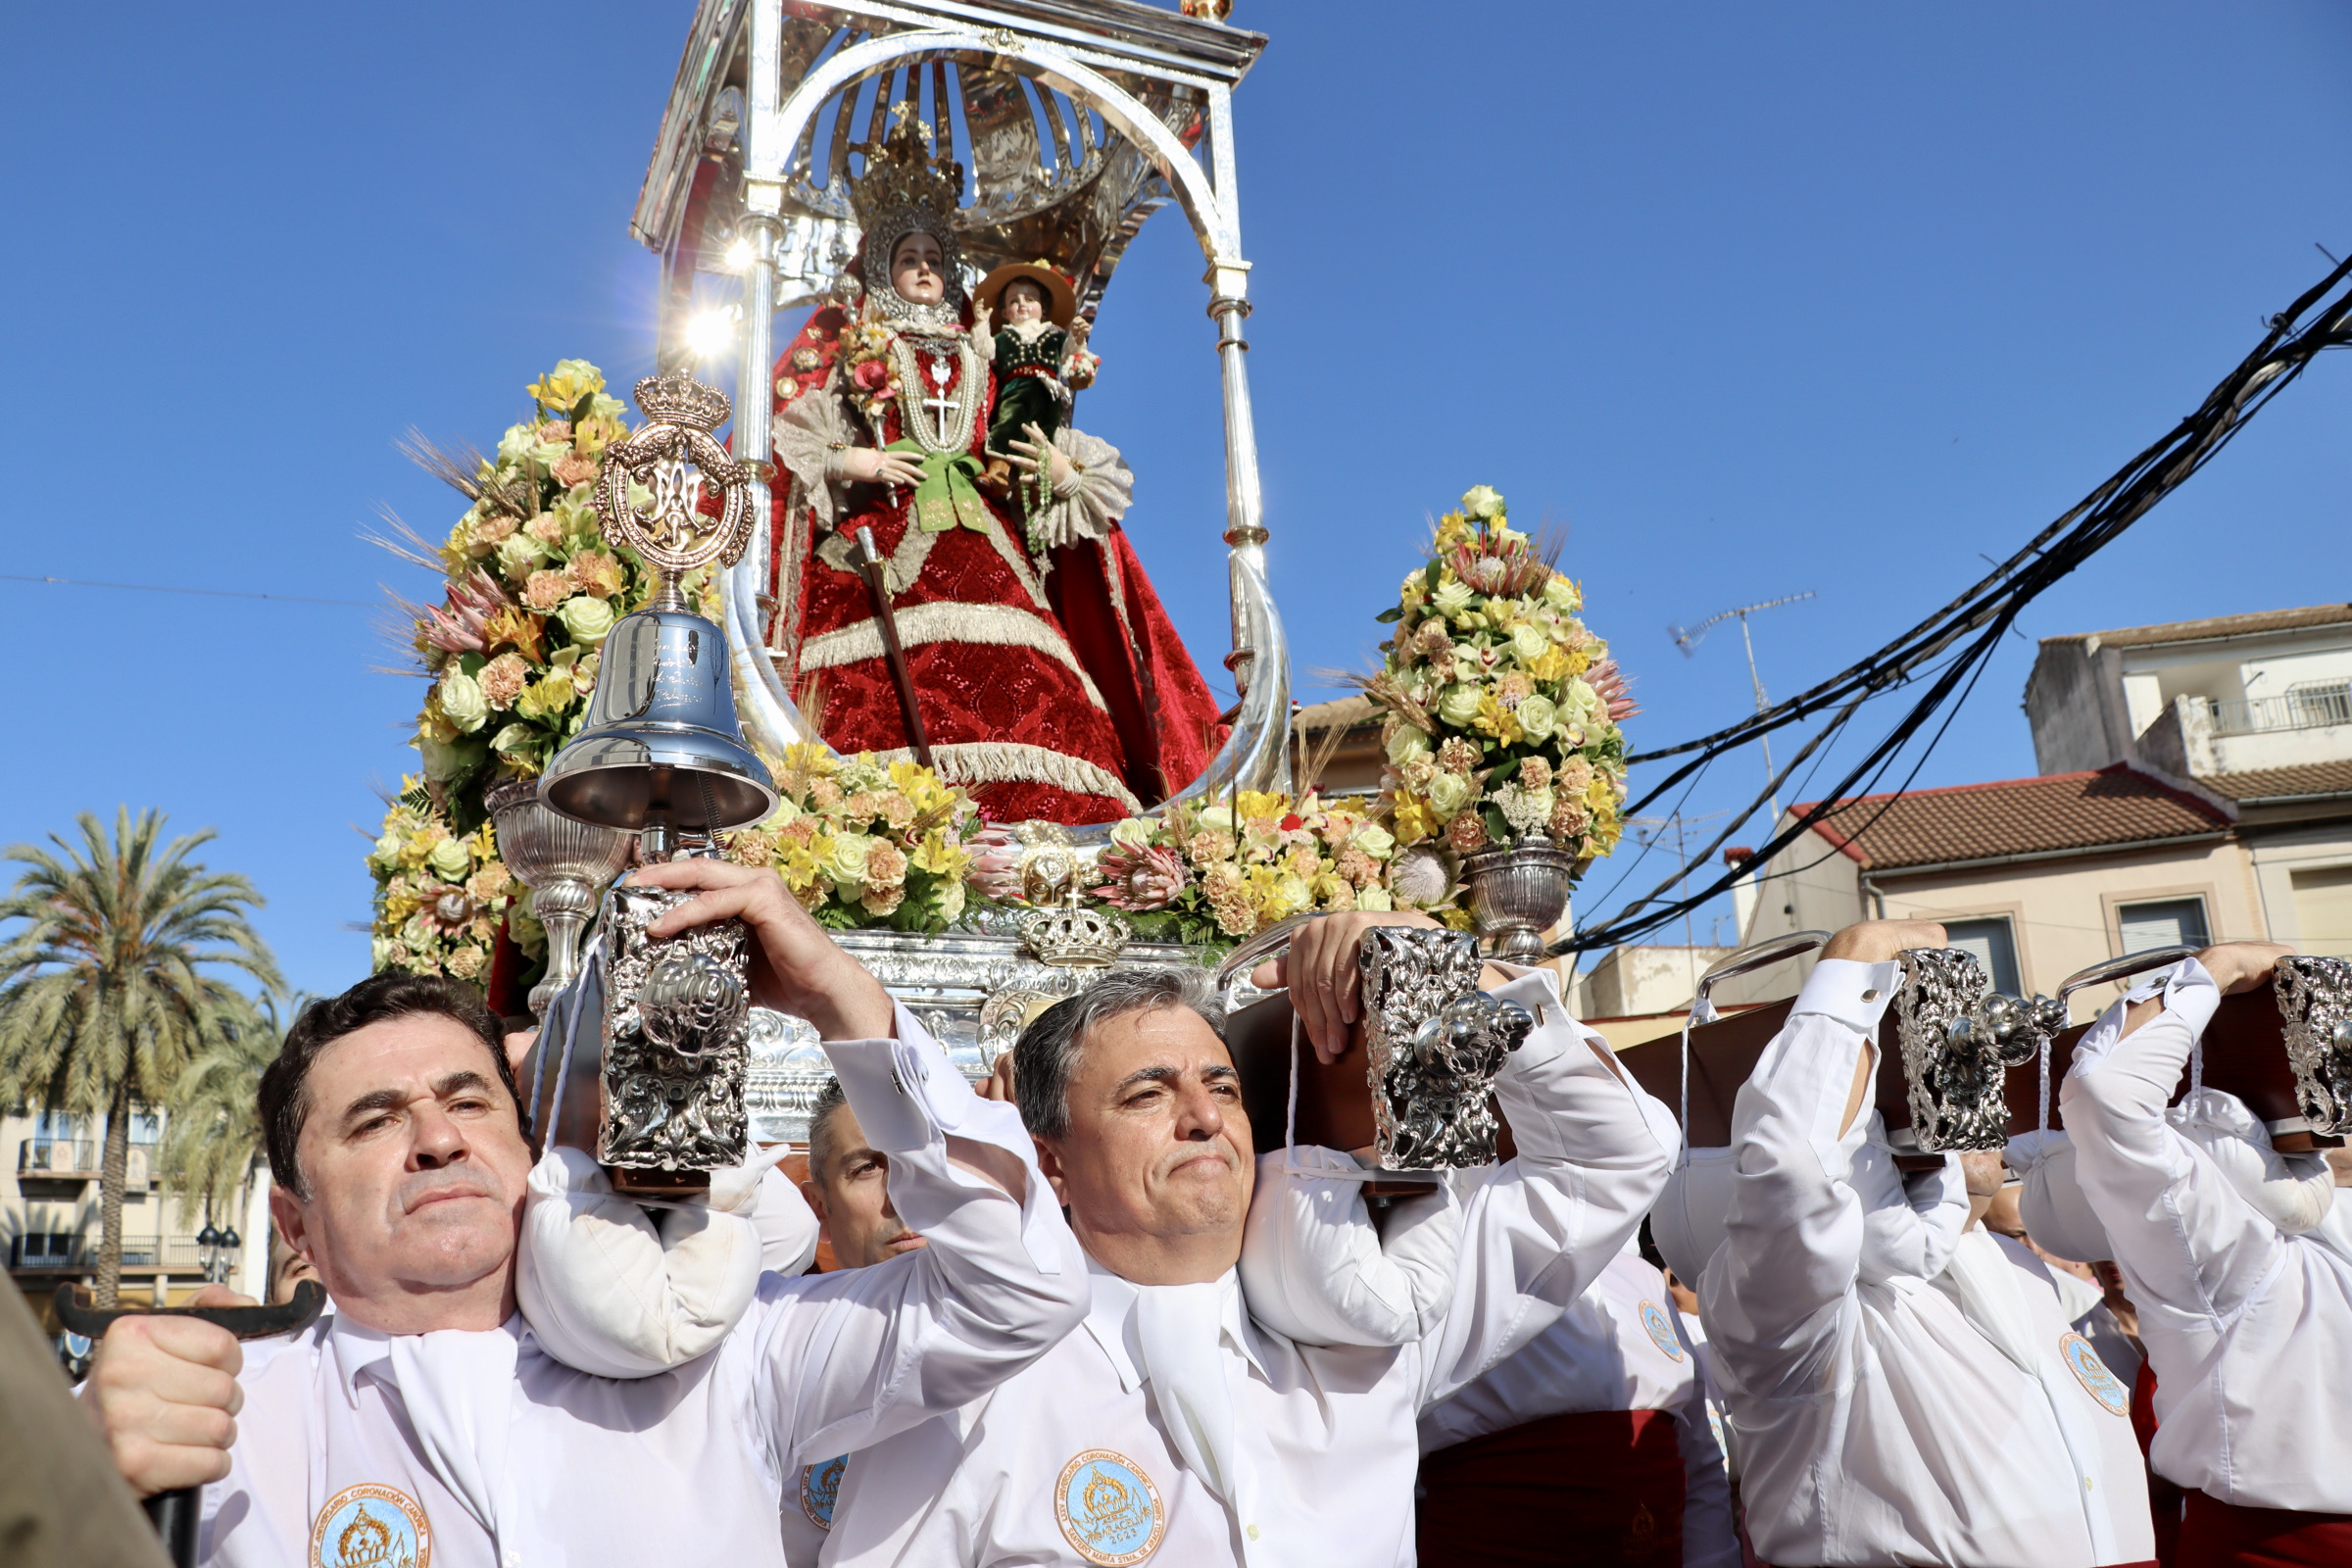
(902,172)
(678,398)
(1074,936)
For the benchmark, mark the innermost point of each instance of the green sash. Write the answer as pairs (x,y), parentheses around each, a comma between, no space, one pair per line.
(946,498)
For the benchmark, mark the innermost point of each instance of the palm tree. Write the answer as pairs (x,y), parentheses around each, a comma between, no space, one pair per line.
(213,1136)
(104,993)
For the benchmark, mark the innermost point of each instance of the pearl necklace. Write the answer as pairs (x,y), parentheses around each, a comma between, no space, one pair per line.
(954,430)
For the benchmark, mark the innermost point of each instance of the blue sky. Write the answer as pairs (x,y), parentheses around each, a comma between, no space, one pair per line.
(1748,299)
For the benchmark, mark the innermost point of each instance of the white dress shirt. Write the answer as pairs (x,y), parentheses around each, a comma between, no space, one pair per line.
(1880,1418)
(1271,1454)
(1618,1348)
(2250,1329)
(503,1457)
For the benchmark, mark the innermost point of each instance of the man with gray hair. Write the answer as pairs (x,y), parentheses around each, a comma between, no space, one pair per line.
(1179,1424)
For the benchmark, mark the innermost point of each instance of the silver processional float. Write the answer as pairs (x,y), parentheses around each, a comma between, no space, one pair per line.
(654,1045)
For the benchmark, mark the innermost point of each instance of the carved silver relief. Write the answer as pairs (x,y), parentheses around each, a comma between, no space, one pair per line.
(677,1022)
(1436,1043)
(1959,1039)
(2315,1003)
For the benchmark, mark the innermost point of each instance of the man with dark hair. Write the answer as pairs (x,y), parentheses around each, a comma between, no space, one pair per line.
(422,1416)
(848,1186)
(1180,1426)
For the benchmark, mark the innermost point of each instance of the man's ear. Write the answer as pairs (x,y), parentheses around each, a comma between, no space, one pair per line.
(286,1212)
(815,1196)
(1049,1166)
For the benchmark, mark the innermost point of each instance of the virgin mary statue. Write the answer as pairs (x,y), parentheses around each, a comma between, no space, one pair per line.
(1049,680)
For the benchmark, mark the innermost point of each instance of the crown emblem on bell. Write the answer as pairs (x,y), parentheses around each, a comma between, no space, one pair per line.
(660,752)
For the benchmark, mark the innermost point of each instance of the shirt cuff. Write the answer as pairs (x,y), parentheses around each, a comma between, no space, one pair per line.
(1538,991)
(2188,991)
(907,1093)
(1851,992)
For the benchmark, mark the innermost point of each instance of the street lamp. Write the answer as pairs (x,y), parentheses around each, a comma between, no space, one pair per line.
(220,1249)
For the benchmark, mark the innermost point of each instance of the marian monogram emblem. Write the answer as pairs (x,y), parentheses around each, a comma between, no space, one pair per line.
(820,1488)
(1661,1329)
(1109,1510)
(370,1526)
(2091,1372)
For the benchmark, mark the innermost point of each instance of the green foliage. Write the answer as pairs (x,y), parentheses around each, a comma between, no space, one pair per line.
(108,984)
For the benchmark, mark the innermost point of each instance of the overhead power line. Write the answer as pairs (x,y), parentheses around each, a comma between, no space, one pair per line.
(1975,622)
(206,593)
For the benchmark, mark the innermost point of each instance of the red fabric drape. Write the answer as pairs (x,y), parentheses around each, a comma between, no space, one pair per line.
(1598,1488)
(2164,1497)
(2223,1535)
(1156,719)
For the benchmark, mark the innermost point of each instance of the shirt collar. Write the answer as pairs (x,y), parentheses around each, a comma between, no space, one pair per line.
(359,1351)
(1110,1320)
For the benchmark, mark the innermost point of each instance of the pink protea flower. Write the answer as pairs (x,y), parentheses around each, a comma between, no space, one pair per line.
(1141,880)
(1608,683)
(461,627)
(995,863)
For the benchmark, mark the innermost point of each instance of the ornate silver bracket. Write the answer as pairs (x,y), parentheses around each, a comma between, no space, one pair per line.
(1959,1040)
(1436,1043)
(675,1041)
(2315,1003)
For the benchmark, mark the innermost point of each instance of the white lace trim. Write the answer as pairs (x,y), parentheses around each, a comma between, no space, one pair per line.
(972,763)
(997,626)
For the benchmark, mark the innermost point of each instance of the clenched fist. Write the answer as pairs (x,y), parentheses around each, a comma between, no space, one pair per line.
(163,1391)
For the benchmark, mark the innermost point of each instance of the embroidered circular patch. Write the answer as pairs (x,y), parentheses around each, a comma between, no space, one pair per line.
(1109,1510)
(1661,1329)
(820,1486)
(2091,1372)
(372,1526)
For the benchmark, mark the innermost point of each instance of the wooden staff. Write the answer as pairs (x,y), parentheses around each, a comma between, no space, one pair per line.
(875,571)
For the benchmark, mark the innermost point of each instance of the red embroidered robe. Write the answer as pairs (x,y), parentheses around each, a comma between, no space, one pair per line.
(1052,682)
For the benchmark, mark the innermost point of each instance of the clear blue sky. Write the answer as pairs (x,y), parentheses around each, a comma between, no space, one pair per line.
(1750,299)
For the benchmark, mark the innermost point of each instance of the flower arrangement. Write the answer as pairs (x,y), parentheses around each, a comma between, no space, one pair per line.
(868,368)
(441,896)
(863,845)
(1206,876)
(1502,708)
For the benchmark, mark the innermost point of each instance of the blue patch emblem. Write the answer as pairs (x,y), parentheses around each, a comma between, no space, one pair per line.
(1661,1329)
(370,1526)
(1108,1509)
(820,1489)
(2091,1372)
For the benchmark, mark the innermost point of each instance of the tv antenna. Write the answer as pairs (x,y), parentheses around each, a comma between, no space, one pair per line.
(1687,641)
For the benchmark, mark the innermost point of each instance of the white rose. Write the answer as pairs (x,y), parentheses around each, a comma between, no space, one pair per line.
(1448,793)
(1133,833)
(461,701)
(1579,704)
(1481,501)
(1409,742)
(1374,899)
(847,866)
(1537,716)
(1374,840)
(1561,595)
(589,621)
(1451,597)
(1529,642)
(1459,704)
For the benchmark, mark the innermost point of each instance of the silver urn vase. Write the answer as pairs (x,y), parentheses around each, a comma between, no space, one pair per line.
(1517,892)
(566,863)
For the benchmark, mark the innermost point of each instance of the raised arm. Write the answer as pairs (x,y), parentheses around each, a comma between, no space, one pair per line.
(1794,1227)
(1536,1235)
(839,1361)
(2189,1246)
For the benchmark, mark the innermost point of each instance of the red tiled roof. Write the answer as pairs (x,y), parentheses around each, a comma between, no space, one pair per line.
(2191,631)
(2115,805)
(2283,783)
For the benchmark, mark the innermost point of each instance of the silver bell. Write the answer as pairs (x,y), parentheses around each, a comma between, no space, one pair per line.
(661,749)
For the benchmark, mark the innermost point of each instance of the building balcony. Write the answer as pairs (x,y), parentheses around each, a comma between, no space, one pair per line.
(2267,716)
(58,1159)
(78,1254)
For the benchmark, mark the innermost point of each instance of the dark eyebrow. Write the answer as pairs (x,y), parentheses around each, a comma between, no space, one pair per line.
(393,1099)
(1166,1075)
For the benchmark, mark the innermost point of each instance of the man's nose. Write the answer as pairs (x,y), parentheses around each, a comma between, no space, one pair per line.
(438,1140)
(1198,1115)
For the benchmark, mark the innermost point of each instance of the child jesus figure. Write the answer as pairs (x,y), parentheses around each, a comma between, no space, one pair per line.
(1039,357)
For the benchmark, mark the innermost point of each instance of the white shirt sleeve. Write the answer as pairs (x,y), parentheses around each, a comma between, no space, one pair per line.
(1774,1295)
(1317,1269)
(1537,1233)
(843,1360)
(1708,1539)
(2189,1243)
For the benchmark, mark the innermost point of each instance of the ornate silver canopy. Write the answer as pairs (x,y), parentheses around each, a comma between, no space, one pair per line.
(1077,118)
